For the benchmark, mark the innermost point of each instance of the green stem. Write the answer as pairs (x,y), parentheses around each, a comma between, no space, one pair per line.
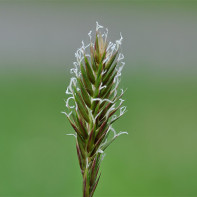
(86,182)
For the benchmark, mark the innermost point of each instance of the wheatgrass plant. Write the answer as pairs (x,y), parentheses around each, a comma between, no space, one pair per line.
(94,91)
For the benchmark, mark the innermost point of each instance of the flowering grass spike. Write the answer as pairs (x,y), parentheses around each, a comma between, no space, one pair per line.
(93,92)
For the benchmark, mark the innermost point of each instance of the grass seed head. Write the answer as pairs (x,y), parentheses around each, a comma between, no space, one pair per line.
(97,99)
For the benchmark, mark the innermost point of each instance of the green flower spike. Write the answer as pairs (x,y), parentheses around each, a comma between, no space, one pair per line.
(94,90)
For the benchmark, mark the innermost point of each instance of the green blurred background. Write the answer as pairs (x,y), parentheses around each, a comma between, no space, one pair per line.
(37,44)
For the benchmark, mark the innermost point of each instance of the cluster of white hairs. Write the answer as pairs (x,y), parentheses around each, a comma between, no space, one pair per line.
(79,55)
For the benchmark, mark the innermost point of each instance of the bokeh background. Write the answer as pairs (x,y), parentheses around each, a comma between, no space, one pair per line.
(37,44)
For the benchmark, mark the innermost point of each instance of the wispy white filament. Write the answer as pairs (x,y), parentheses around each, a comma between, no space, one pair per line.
(98,26)
(79,55)
(68,115)
(71,134)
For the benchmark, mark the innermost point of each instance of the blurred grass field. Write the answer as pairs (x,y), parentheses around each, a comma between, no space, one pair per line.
(158,157)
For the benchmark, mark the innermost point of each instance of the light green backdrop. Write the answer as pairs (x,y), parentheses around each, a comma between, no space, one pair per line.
(37,44)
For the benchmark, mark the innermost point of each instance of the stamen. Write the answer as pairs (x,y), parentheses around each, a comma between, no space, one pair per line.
(71,134)
(68,115)
(101,100)
(90,35)
(120,57)
(98,26)
(67,102)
